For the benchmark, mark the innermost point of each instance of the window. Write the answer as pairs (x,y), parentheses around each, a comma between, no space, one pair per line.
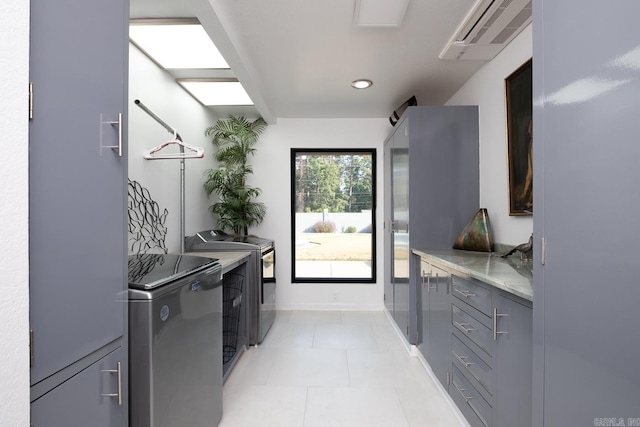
(333,215)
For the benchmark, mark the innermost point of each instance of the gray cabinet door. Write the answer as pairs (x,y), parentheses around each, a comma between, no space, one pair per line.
(435,318)
(77,191)
(440,322)
(512,362)
(424,321)
(388,227)
(84,399)
(586,206)
(400,224)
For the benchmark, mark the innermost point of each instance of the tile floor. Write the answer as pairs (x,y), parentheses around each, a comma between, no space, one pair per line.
(333,368)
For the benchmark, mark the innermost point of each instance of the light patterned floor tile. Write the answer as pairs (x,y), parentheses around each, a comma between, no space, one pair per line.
(309,367)
(290,335)
(264,406)
(353,407)
(315,317)
(343,336)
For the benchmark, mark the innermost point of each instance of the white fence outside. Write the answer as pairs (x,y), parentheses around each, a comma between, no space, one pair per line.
(360,220)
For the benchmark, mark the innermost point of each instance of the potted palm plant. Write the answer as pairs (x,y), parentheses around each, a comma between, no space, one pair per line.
(235,139)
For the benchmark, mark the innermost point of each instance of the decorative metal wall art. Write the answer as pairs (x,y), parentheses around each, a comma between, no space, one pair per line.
(147,229)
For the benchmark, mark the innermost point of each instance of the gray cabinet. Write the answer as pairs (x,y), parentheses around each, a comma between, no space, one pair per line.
(473,369)
(431,192)
(435,318)
(491,354)
(77,196)
(389,258)
(586,179)
(513,335)
(88,398)
(397,154)
(476,337)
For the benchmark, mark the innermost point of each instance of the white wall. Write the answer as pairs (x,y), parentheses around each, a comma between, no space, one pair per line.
(272,173)
(14,215)
(486,89)
(158,91)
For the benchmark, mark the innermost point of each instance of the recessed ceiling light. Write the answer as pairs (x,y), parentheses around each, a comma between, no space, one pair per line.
(361,83)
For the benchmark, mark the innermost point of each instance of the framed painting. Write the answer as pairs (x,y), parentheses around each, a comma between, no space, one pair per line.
(519,103)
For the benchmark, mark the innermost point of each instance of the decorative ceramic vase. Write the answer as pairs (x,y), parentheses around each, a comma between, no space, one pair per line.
(477,235)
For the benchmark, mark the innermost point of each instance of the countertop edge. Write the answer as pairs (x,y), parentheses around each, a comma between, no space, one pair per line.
(513,282)
(228,259)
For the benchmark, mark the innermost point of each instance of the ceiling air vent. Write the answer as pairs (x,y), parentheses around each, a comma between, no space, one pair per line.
(488,27)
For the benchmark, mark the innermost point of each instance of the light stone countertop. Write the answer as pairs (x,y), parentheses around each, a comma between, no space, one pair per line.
(229,259)
(511,274)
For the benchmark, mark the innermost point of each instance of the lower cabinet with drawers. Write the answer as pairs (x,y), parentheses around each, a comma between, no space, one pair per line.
(489,350)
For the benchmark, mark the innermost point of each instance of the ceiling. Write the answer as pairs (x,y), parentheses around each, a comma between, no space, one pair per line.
(297,58)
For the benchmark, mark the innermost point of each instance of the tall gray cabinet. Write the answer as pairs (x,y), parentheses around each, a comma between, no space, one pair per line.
(586,228)
(431,192)
(77,197)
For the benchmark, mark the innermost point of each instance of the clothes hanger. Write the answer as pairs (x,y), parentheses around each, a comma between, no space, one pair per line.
(186,151)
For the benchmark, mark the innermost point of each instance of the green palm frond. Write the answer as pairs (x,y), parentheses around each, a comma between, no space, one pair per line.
(235,139)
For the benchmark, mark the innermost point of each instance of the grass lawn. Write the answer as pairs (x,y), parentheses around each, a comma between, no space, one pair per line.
(333,246)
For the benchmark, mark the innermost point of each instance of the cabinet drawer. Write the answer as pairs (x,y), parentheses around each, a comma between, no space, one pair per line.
(471,293)
(472,328)
(471,364)
(470,402)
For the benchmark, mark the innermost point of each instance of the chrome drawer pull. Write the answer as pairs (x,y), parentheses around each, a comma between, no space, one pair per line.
(464,328)
(427,275)
(461,390)
(496,332)
(461,359)
(467,400)
(464,293)
(118,372)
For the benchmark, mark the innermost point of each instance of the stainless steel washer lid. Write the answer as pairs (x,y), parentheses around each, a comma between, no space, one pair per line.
(148,271)
(216,240)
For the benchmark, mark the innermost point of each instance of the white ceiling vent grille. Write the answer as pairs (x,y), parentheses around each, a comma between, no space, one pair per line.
(488,27)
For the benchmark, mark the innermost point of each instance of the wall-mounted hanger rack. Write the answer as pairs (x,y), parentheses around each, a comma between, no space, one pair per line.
(186,152)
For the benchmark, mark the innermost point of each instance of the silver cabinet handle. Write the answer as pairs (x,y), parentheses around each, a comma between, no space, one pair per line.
(428,276)
(461,391)
(120,134)
(464,292)
(112,123)
(461,359)
(496,332)
(118,372)
(467,400)
(463,326)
